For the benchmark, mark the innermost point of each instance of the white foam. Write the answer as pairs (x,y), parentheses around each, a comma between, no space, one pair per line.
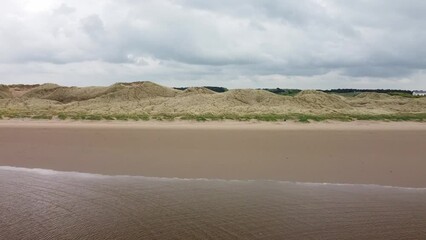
(358,185)
(93,175)
(51,172)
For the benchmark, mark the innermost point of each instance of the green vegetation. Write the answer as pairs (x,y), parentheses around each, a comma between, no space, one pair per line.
(284,92)
(352,90)
(304,118)
(214,89)
(299,117)
(403,94)
(97,117)
(62,116)
(42,116)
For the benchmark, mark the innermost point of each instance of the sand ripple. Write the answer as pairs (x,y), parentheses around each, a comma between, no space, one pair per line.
(38,204)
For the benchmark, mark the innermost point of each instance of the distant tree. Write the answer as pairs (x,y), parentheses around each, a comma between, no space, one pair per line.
(353,90)
(282,91)
(214,89)
(181,88)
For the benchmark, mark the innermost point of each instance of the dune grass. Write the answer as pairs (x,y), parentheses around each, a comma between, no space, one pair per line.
(298,117)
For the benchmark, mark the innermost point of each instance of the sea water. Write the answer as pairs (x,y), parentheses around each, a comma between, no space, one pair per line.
(44,204)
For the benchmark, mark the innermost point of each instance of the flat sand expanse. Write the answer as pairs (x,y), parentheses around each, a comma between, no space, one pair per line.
(358,152)
(40,204)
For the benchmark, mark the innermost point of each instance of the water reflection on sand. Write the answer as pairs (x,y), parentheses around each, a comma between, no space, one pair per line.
(42,204)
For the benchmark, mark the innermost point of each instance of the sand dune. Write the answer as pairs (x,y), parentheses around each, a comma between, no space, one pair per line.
(197,90)
(138,90)
(4,92)
(319,100)
(150,98)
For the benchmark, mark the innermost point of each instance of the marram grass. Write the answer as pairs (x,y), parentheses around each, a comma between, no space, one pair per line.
(299,117)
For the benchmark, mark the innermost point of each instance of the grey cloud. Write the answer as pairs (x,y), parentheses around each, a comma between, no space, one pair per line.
(93,26)
(224,40)
(377,71)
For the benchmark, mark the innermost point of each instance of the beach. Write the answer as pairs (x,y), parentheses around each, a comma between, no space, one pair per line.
(212,180)
(229,120)
(389,154)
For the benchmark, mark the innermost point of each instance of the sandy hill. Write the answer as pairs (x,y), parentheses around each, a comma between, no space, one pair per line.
(138,90)
(117,92)
(317,100)
(4,92)
(65,94)
(41,91)
(252,96)
(197,90)
(151,98)
(375,96)
(388,103)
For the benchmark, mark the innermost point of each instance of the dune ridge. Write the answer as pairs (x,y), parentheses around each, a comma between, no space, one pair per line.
(149,99)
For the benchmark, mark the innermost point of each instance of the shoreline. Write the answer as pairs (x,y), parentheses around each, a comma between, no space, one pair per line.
(224,124)
(51,172)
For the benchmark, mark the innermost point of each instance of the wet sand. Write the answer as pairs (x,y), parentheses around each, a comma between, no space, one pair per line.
(40,204)
(390,154)
(45,204)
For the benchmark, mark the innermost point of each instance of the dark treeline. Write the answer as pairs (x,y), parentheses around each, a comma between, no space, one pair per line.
(353,90)
(180,88)
(286,91)
(214,89)
(282,91)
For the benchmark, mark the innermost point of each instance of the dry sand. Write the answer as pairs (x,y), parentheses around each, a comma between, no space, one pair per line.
(359,152)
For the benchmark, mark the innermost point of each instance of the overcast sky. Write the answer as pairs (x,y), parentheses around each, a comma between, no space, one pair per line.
(233,43)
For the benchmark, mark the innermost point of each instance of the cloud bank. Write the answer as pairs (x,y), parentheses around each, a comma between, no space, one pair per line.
(232,43)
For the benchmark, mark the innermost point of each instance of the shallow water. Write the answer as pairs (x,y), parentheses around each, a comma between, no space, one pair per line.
(42,204)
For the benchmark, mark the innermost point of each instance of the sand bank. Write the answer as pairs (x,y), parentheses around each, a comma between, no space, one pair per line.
(357,152)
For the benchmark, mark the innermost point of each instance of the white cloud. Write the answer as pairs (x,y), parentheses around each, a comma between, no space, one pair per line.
(64,9)
(234,43)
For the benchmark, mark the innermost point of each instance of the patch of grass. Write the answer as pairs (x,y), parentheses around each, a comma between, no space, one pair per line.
(201,117)
(138,117)
(12,115)
(42,116)
(164,117)
(144,117)
(235,117)
(210,117)
(78,116)
(121,117)
(62,116)
(98,117)
(420,117)
(93,117)
(303,119)
(108,117)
